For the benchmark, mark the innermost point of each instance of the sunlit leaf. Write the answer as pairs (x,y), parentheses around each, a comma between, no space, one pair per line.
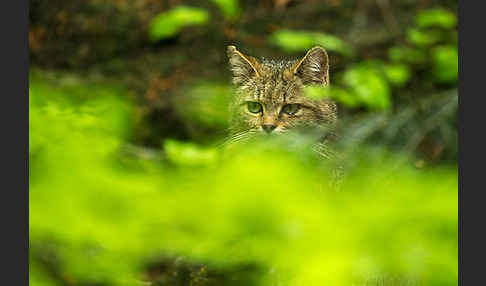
(423,38)
(294,41)
(370,87)
(170,23)
(189,153)
(338,94)
(445,60)
(346,97)
(317,92)
(333,43)
(436,18)
(397,74)
(230,8)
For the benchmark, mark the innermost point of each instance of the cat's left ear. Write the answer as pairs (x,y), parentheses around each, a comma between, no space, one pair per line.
(313,68)
(244,67)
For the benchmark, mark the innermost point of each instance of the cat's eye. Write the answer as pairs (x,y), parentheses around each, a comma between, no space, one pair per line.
(254,107)
(291,108)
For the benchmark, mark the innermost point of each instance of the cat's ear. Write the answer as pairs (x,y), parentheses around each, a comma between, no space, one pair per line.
(244,67)
(313,68)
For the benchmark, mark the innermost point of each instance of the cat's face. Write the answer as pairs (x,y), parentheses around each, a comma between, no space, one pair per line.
(270,95)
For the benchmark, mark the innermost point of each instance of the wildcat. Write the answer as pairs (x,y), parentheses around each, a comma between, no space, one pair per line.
(270,94)
(271,98)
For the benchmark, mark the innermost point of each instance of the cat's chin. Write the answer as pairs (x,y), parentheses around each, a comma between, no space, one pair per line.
(274,131)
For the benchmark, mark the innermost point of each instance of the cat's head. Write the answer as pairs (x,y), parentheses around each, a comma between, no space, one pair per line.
(270,95)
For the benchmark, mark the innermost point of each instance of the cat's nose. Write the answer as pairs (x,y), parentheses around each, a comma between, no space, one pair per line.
(268,127)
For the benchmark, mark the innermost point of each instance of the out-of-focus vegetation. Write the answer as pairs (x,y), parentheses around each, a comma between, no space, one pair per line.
(97,216)
(168,24)
(128,98)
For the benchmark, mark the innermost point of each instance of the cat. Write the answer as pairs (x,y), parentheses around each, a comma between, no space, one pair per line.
(270,95)
(270,98)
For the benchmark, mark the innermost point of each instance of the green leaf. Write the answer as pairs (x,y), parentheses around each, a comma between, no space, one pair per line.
(333,43)
(423,38)
(189,153)
(292,41)
(369,86)
(297,41)
(317,92)
(338,94)
(397,74)
(345,97)
(170,23)
(230,8)
(436,18)
(445,63)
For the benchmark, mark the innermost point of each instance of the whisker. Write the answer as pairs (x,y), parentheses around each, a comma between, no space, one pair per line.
(322,149)
(223,131)
(241,136)
(224,141)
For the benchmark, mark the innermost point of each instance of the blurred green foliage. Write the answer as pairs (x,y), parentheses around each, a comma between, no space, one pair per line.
(436,18)
(230,8)
(170,23)
(434,45)
(211,108)
(445,63)
(369,82)
(302,41)
(189,154)
(369,87)
(94,218)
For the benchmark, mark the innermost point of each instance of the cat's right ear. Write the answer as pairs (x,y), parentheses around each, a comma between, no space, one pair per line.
(244,67)
(313,68)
